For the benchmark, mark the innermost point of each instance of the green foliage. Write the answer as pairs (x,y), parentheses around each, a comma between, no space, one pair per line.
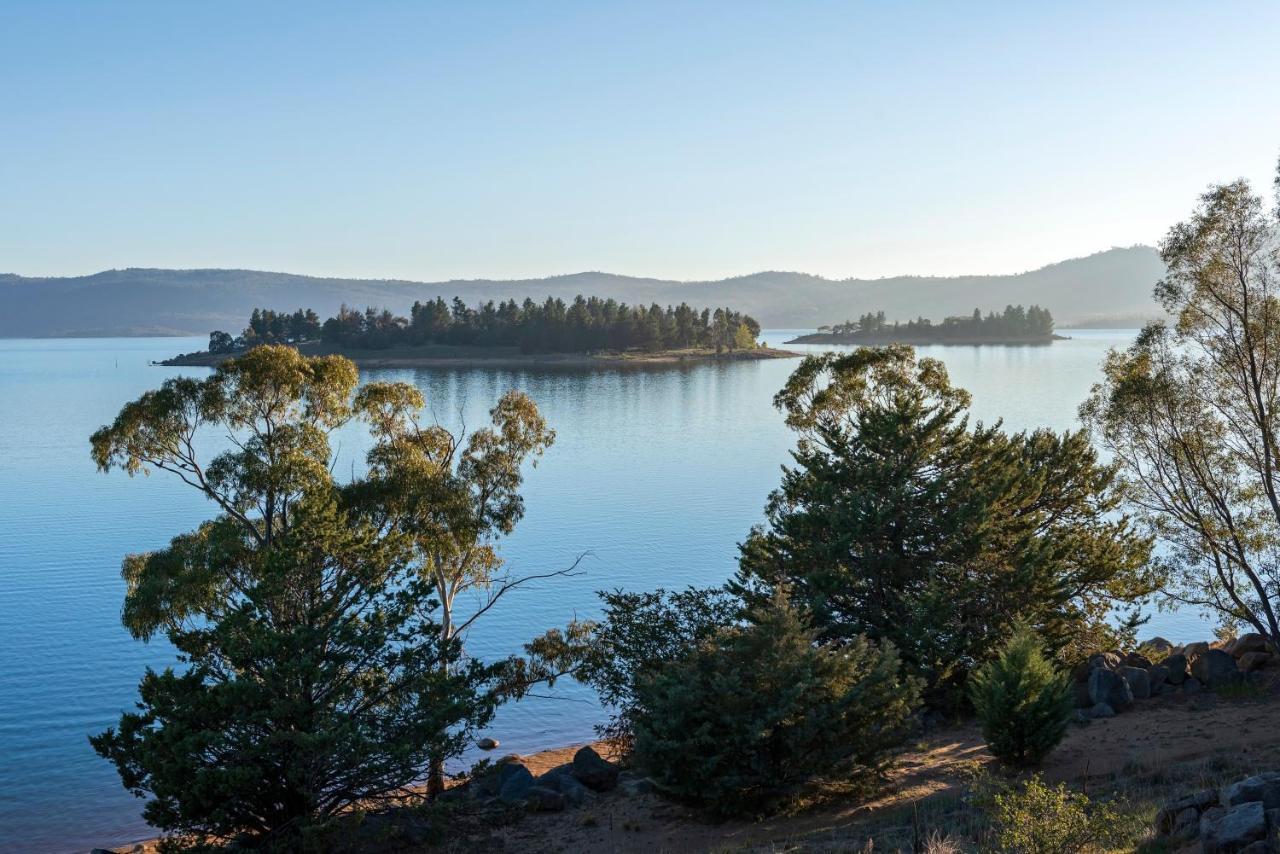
(1023,704)
(636,636)
(552,326)
(1190,411)
(901,522)
(1034,818)
(1015,323)
(317,675)
(759,711)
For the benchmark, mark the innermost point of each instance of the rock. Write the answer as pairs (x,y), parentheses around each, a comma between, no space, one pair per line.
(1192,686)
(514,782)
(1232,830)
(1158,645)
(1264,788)
(1215,668)
(1102,710)
(1158,676)
(1252,661)
(1173,813)
(1194,650)
(542,799)
(1110,688)
(487,743)
(1139,681)
(1166,688)
(1133,659)
(1105,660)
(1080,692)
(594,772)
(1252,642)
(1259,847)
(561,779)
(1177,667)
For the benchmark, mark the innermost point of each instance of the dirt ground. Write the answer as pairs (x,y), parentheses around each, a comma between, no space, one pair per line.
(1159,749)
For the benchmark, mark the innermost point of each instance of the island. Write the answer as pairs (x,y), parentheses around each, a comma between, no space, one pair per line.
(1015,325)
(586,332)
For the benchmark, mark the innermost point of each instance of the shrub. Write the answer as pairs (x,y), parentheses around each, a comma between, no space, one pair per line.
(1022,702)
(758,711)
(1038,819)
(636,637)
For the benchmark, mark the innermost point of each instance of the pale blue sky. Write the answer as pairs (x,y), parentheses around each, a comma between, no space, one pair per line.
(684,140)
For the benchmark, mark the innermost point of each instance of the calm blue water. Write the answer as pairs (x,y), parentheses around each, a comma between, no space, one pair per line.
(656,473)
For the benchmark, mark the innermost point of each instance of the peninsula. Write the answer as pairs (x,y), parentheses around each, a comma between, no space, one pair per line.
(1015,325)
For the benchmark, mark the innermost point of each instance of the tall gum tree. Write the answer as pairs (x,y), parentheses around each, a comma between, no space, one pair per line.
(1190,411)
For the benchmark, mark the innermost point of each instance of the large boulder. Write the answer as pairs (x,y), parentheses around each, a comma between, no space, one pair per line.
(1107,660)
(561,779)
(514,783)
(1138,679)
(1215,668)
(1158,646)
(1252,661)
(1251,642)
(593,771)
(1158,676)
(1135,659)
(1178,668)
(1232,830)
(1110,688)
(1264,788)
(1194,650)
(541,799)
(1101,710)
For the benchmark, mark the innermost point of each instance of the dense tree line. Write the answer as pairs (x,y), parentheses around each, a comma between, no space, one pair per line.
(1015,322)
(552,326)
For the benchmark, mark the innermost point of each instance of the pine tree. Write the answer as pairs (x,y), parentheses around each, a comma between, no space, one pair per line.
(1022,702)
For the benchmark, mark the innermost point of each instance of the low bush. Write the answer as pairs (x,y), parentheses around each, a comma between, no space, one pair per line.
(757,712)
(1022,702)
(1035,818)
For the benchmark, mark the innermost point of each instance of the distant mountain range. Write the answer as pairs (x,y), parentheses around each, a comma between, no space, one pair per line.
(1108,287)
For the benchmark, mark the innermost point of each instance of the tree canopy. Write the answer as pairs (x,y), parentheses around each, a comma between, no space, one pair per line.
(552,326)
(901,522)
(1015,323)
(319,672)
(1190,411)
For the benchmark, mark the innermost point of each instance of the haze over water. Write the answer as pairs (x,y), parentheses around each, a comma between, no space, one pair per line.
(655,474)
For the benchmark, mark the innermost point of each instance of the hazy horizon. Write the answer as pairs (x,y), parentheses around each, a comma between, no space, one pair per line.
(427,142)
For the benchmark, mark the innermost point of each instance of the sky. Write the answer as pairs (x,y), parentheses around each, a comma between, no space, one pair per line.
(686,140)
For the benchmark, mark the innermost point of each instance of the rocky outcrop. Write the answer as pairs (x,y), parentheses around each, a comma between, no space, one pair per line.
(1215,668)
(1242,818)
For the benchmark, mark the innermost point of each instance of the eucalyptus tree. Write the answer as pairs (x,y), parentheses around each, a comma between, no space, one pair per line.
(901,522)
(317,673)
(1190,411)
(453,497)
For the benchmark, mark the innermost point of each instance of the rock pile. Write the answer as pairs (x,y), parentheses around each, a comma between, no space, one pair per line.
(1242,817)
(511,783)
(1109,682)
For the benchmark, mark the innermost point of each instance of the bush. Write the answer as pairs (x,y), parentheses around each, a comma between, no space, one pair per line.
(757,712)
(636,637)
(1022,702)
(1038,819)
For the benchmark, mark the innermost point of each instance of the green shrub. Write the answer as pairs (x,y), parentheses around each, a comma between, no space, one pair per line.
(757,712)
(1038,819)
(1022,702)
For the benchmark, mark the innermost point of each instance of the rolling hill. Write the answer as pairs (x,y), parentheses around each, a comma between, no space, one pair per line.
(1114,285)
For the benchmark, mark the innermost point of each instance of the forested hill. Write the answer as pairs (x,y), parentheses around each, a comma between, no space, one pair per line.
(1112,284)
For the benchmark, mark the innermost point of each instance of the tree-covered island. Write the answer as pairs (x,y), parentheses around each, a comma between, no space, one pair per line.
(1015,325)
(586,330)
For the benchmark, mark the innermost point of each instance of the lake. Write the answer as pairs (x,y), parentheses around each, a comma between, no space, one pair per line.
(655,476)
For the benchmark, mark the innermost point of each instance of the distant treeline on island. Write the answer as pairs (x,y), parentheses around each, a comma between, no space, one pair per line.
(1016,325)
(586,324)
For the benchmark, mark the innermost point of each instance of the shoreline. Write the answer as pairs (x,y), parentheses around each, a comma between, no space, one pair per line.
(828,338)
(498,357)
